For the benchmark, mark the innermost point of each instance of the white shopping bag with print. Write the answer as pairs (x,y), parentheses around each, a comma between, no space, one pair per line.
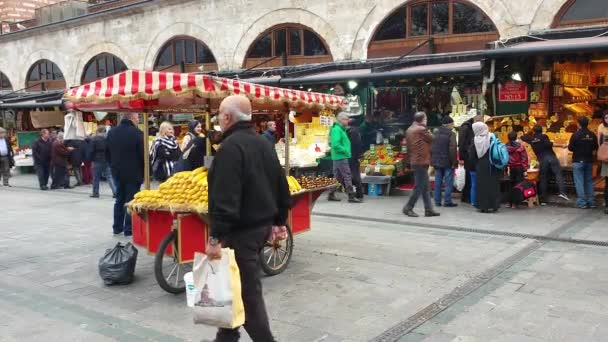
(218,300)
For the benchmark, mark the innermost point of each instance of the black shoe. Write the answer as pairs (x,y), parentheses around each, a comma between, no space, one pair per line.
(606,211)
(410,212)
(68,187)
(450,205)
(94,196)
(438,204)
(54,187)
(353,199)
(44,188)
(114,196)
(8,185)
(128,234)
(333,198)
(431,213)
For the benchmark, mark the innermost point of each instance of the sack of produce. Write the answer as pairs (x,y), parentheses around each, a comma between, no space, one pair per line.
(460,178)
(218,300)
(117,265)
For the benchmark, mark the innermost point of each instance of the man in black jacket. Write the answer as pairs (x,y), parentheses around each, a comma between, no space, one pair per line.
(543,148)
(7,160)
(443,159)
(465,139)
(97,149)
(583,144)
(41,150)
(125,154)
(356,150)
(248,199)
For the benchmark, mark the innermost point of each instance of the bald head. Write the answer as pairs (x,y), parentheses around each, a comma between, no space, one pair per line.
(234,109)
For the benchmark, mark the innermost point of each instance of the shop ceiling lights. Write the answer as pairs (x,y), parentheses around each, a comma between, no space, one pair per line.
(516,77)
(352,85)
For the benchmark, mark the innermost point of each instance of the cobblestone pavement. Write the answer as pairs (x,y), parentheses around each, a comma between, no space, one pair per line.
(369,275)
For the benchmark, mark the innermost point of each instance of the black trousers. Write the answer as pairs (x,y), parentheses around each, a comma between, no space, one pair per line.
(550,164)
(247,246)
(606,192)
(355,171)
(43,171)
(60,177)
(466,191)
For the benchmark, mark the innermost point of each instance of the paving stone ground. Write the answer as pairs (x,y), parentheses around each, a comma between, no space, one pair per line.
(349,280)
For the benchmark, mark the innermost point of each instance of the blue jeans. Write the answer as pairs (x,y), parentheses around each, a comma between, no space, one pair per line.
(583,180)
(444,175)
(124,194)
(473,188)
(102,170)
(421,188)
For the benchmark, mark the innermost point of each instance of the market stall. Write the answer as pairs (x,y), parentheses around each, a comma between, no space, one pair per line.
(171,222)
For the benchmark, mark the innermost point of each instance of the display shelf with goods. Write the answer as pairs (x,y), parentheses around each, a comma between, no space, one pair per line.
(561,91)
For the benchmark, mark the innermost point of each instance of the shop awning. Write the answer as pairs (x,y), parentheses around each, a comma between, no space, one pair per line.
(555,46)
(134,89)
(440,69)
(31,100)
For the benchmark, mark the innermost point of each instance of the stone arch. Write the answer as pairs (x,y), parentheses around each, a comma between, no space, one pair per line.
(294,16)
(183,29)
(3,75)
(547,14)
(494,9)
(60,59)
(94,50)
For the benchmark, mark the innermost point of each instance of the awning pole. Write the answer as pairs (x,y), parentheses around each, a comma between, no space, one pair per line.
(287,138)
(207,129)
(146,157)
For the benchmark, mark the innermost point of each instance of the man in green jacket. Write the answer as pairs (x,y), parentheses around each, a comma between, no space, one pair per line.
(340,154)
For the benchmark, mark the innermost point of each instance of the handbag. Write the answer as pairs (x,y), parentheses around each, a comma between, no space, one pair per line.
(602,153)
(524,191)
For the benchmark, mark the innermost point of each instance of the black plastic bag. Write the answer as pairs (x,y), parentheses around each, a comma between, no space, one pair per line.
(117,265)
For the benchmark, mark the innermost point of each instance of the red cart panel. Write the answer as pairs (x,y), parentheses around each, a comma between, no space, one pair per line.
(140,231)
(159,225)
(192,236)
(300,214)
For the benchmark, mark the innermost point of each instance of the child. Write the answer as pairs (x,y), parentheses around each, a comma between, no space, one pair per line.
(518,164)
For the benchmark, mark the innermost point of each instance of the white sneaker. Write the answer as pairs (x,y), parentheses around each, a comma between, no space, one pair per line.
(564,197)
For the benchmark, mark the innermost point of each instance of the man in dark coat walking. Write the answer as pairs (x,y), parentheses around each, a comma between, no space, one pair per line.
(248,199)
(7,160)
(41,150)
(356,150)
(125,154)
(443,159)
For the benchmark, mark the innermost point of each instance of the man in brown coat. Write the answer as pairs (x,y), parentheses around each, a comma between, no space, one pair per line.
(419,141)
(59,163)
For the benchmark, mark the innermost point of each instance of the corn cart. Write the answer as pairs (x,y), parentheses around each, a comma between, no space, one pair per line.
(174,233)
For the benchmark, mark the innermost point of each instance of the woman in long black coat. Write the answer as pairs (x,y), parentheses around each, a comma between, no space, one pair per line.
(487,178)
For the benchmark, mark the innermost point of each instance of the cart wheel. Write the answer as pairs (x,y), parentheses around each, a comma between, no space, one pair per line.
(275,257)
(167,269)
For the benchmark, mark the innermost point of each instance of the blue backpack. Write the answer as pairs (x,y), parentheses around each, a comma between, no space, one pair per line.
(499,155)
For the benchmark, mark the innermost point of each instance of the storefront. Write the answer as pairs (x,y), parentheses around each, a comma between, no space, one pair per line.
(549,83)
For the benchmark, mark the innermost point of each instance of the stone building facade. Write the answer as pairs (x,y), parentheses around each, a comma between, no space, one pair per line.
(136,31)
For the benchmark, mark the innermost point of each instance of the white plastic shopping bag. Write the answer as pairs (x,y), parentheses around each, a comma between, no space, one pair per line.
(460,178)
(218,300)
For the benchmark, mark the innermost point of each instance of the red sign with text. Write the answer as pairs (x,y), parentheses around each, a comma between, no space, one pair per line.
(512,91)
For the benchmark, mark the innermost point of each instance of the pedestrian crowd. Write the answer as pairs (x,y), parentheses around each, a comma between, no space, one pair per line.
(487,161)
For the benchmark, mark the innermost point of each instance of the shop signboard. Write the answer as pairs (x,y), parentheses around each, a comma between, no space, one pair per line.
(512,91)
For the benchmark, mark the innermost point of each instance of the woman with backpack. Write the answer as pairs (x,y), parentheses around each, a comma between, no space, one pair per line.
(517,168)
(487,177)
(164,152)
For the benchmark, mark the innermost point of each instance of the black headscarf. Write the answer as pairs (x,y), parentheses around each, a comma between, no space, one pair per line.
(192,127)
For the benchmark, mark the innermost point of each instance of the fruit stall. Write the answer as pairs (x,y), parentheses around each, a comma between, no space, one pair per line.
(171,222)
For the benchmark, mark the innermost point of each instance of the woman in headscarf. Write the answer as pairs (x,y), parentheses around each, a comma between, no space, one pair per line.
(194,130)
(602,135)
(487,178)
(164,152)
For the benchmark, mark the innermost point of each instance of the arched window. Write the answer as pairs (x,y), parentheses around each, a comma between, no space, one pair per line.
(5,84)
(102,65)
(582,12)
(451,25)
(45,75)
(291,45)
(187,51)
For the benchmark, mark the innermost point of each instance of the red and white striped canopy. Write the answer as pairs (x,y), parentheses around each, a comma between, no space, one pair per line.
(147,89)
